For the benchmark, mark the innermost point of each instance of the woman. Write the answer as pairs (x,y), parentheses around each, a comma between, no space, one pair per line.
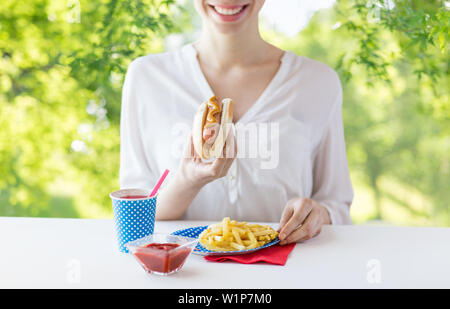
(307,188)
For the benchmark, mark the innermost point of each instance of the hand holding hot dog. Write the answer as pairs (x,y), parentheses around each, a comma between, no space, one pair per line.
(197,172)
(211,138)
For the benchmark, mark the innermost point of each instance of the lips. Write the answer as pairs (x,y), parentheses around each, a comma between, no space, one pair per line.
(228,13)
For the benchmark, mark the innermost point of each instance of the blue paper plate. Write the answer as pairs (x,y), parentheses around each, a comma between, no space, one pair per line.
(195,231)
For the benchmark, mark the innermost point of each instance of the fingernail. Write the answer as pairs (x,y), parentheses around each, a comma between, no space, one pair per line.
(282,236)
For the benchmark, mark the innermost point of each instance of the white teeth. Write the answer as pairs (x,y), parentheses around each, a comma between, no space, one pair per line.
(228,11)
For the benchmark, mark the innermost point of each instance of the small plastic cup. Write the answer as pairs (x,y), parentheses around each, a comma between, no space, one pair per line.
(162,254)
(134,215)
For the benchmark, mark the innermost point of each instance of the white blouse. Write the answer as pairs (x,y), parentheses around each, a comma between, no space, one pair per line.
(298,149)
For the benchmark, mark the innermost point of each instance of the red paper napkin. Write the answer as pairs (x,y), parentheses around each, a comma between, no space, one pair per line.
(275,254)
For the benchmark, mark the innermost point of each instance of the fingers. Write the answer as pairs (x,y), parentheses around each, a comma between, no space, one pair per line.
(300,210)
(230,147)
(189,150)
(222,164)
(285,216)
(310,228)
(227,166)
(217,166)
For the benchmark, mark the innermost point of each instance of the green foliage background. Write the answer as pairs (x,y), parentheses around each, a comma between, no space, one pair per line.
(62,65)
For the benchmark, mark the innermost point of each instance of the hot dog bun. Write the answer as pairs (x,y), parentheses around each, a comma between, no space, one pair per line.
(223,115)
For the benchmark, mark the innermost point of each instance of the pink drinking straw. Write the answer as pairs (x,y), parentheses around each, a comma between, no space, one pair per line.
(159,183)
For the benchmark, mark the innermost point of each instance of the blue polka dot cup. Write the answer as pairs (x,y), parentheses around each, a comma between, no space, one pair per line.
(134,215)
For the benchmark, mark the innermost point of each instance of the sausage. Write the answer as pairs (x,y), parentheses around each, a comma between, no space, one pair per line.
(210,133)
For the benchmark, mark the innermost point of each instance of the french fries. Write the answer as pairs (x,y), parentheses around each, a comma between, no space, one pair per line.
(230,235)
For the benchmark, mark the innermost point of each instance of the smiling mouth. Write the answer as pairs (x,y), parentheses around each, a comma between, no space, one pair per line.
(230,11)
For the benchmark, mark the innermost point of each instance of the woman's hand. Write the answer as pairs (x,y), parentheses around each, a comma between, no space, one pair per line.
(175,198)
(302,219)
(197,173)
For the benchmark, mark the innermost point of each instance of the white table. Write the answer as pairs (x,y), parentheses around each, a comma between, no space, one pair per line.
(82,253)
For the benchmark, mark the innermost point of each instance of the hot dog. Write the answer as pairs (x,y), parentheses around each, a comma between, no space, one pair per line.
(211,127)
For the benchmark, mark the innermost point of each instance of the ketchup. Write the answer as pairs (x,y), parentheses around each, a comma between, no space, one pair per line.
(162,257)
(134,196)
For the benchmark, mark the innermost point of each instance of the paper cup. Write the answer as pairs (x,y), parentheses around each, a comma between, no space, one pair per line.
(133,218)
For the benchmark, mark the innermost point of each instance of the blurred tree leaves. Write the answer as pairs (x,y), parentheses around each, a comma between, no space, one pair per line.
(420,33)
(398,40)
(62,65)
(393,61)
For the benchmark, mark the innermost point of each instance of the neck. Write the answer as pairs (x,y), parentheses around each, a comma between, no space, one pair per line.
(224,50)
